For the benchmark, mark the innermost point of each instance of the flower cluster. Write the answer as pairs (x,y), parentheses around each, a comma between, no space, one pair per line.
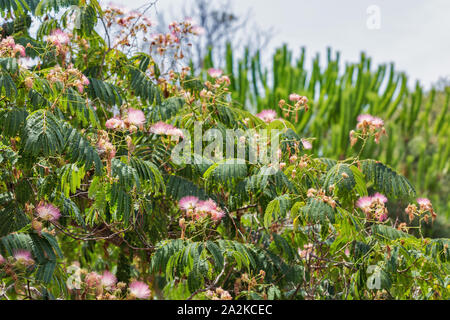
(9,48)
(105,286)
(23,257)
(171,41)
(199,209)
(212,91)
(108,280)
(104,146)
(308,249)
(267,115)
(374,206)
(130,25)
(48,212)
(60,40)
(214,73)
(320,194)
(69,77)
(218,294)
(139,290)
(367,125)
(162,128)
(134,119)
(425,206)
(300,102)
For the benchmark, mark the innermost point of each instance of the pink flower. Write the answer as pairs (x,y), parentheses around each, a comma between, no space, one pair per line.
(58,37)
(377,122)
(423,201)
(162,128)
(139,289)
(80,87)
(364,202)
(425,204)
(84,80)
(48,212)
(93,279)
(294,97)
(306,144)
(267,115)
(9,42)
(21,49)
(23,256)
(215,73)
(364,117)
(216,215)
(108,279)
(380,197)
(188,203)
(136,117)
(175,132)
(382,217)
(2,260)
(206,206)
(115,124)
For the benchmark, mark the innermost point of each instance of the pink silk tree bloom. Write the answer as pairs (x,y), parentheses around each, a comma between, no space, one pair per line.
(20,49)
(216,215)
(9,42)
(115,124)
(267,115)
(139,289)
(160,128)
(23,256)
(423,201)
(175,132)
(58,37)
(425,204)
(365,117)
(208,205)
(188,203)
(93,279)
(136,117)
(380,197)
(377,122)
(382,217)
(294,97)
(215,73)
(306,144)
(48,212)
(108,279)
(364,202)
(84,80)
(80,87)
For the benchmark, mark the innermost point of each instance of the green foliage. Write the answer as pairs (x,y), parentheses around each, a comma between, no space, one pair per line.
(416,144)
(88,178)
(386,180)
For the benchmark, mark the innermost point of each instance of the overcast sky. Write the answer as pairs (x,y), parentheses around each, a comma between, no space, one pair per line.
(415,34)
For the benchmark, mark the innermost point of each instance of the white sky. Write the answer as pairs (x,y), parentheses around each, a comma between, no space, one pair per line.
(415,34)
